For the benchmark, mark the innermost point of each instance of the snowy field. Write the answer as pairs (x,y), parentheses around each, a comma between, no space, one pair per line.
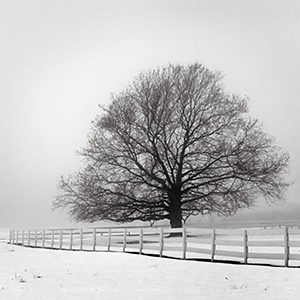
(28,273)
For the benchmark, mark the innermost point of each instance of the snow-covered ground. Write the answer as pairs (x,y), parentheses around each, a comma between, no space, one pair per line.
(27,273)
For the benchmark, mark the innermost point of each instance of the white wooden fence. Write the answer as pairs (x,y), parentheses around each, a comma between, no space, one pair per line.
(274,246)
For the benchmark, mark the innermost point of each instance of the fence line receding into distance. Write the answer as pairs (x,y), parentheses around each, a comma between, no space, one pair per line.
(274,246)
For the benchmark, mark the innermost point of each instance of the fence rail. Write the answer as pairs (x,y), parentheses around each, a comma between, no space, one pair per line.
(274,246)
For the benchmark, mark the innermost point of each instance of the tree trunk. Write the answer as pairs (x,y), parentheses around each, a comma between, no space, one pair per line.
(176,219)
(175,212)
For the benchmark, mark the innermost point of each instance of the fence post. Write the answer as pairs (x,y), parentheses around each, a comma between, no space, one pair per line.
(10,236)
(109,239)
(184,241)
(124,240)
(71,239)
(245,246)
(52,239)
(94,239)
(43,239)
(22,237)
(141,241)
(35,237)
(17,237)
(81,239)
(213,244)
(286,246)
(60,239)
(28,237)
(161,241)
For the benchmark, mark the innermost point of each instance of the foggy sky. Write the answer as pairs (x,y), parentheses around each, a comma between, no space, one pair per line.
(59,59)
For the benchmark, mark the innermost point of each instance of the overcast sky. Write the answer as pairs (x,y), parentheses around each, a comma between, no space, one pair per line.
(59,59)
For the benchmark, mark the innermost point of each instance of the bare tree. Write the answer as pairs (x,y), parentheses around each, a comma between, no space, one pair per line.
(171,145)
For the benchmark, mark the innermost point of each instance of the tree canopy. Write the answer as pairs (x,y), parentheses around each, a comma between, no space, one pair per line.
(171,145)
